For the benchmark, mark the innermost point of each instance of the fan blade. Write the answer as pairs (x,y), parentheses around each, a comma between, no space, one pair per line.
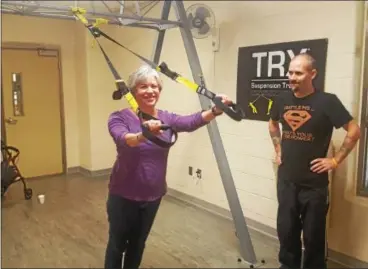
(204,29)
(195,32)
(190,19)
(202,13)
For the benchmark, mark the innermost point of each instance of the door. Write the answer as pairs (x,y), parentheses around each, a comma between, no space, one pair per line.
(32,110)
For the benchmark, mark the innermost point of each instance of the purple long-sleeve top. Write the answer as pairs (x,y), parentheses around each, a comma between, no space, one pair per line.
(139,173)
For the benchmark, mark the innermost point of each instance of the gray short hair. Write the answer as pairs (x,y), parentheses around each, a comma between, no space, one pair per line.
(143,73)
(311,60)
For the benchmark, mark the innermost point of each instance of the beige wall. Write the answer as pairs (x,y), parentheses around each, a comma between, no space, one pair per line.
(250,23)
(88,85)
(58,33)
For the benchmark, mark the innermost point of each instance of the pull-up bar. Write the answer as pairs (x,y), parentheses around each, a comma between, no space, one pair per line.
(10,7)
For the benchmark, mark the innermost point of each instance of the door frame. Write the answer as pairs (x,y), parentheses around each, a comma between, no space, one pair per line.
(3,133)
(44,47)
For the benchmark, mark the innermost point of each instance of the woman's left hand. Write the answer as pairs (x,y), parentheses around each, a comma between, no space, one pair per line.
(225,99)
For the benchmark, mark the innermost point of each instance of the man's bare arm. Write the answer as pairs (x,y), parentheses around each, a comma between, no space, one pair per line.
(274,130)
(351,138)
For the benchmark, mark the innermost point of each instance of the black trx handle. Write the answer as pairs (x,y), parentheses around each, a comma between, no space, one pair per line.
(148,134)
(233,111)
(164,69)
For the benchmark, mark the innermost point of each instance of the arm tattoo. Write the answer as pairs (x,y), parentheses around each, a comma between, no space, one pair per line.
(346,148)
(276,139)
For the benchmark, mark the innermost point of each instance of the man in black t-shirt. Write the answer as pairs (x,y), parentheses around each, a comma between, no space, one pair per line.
(308,117)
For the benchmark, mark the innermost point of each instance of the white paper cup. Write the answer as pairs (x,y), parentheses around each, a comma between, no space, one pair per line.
(41,198)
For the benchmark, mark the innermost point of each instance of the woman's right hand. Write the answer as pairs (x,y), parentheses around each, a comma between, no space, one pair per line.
(154,126)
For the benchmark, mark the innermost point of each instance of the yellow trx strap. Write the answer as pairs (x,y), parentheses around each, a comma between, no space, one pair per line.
(187,82)
(97,23)
(122,89)
(100,21)
(78,11)
(233,111)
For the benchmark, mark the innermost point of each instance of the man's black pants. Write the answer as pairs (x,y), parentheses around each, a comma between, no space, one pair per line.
(301,209)
(130,223)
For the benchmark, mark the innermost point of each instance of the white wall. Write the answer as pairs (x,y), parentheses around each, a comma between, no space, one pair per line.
(247,144)
(249,149)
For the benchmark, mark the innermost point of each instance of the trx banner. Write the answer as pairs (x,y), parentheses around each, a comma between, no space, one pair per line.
(262,73)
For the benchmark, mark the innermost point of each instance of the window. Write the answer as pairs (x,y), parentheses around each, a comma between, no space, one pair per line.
(17,94)
(363,150)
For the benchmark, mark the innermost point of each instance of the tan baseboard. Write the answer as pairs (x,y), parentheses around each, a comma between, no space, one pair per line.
(345,260)
(88,173)
(73,170)
(253,225)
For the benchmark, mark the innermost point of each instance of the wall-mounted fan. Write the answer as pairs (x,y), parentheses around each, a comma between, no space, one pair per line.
(201,20)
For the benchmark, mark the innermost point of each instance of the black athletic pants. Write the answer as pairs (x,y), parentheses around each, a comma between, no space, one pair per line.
(130,223)
(301,209)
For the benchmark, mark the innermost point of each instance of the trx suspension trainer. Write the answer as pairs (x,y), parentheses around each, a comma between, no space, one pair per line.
(233,110)
(123,91)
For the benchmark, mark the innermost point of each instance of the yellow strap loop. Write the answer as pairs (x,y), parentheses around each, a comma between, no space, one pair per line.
(97,23)
(100,21)
(78,11)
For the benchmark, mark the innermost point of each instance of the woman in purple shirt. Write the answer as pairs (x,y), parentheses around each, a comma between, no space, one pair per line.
(138,178)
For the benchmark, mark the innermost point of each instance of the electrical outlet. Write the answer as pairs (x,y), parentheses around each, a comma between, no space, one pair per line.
(190,171)
(199,173)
